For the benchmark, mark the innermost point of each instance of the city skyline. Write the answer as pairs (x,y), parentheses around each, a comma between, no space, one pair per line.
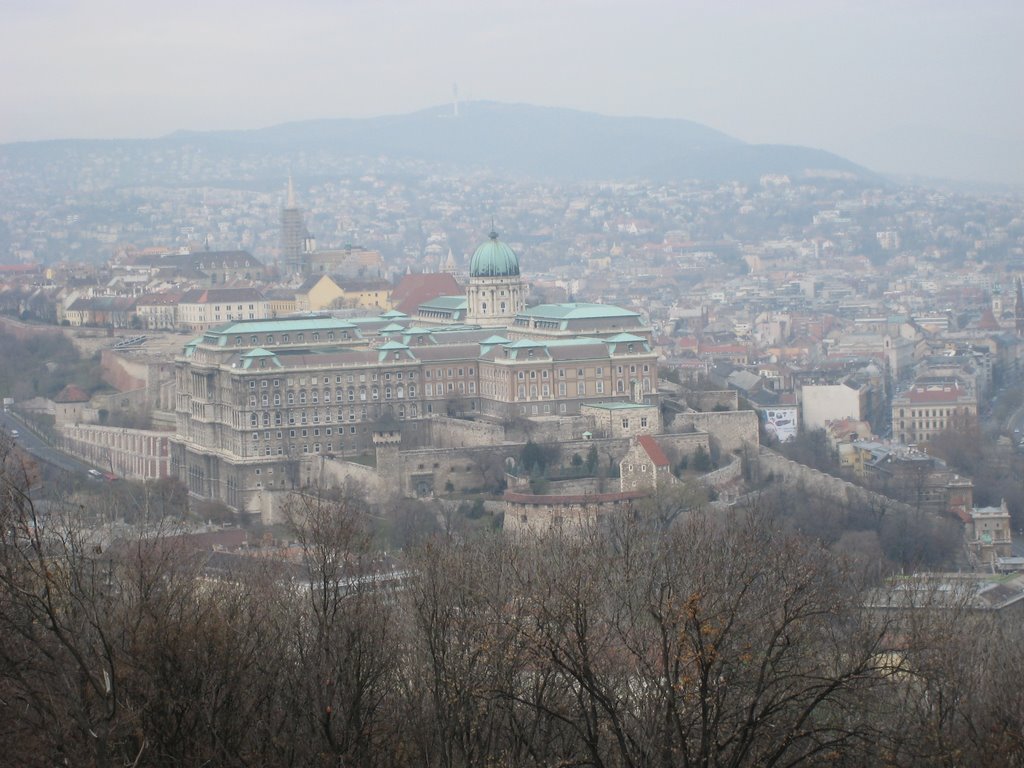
(915,88)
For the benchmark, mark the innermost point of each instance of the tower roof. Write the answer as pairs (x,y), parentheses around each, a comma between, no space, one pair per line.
(71,394)
(494,259)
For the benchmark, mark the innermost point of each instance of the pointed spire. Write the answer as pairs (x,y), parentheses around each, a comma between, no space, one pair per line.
(291,193)
(494,233)
(1018,309)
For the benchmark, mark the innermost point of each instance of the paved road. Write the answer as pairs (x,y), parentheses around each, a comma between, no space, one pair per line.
(1016,422)
(28,441)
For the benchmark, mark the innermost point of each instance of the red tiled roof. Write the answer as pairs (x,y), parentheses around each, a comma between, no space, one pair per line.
(71,394)
(650,445)
(946,395)
(413,290)
(159,299)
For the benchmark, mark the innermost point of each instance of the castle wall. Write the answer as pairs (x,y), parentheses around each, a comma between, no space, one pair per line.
(459,470)
(727,481)
(780,469)
(460,433)
(339,472)
(731,430)
(121,373)
(26,331)
(708,400)
(528,512)
(550,429)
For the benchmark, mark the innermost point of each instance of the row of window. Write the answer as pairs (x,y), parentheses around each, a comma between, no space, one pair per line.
(350,378)
(286,338)
(314,396)
(302,417)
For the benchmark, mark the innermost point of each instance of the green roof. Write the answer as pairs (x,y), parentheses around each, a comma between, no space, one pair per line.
(250,358)
(576,311)
(392,328)
(621,337)
(445,302)
(385,350)
(283,325)
(494,259)
(526,344)
(393,313)
(191,346)
(495,340)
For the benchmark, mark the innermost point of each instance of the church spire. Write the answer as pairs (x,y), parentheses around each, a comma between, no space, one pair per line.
(1018,309)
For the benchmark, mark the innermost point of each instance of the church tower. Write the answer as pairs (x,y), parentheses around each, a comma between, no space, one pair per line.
(496,292)
(294,236)
(1018,309)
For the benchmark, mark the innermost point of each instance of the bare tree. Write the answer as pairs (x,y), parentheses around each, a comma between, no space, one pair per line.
(345,651)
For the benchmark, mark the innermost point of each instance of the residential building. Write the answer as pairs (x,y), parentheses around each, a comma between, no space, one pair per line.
(931,406)
(202,309)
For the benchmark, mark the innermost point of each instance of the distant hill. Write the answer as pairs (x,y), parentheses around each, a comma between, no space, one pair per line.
(516,139)
(542,141)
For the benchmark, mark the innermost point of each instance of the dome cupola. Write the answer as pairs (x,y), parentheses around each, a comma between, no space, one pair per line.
(494,259)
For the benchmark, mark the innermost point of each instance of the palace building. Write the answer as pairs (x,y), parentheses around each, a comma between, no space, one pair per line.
(257,398)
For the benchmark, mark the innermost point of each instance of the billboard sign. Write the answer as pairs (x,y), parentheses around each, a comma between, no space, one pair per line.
(781,422)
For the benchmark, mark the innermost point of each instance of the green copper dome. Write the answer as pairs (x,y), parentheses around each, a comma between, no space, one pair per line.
(494,259)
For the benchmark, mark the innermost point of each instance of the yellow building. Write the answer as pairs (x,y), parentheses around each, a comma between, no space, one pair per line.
(366,294)
(316,293)
(321,292)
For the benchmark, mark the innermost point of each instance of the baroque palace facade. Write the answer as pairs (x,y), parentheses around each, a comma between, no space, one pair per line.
(255,399)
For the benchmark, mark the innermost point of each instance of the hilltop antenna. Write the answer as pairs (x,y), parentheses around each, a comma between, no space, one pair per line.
(455,99)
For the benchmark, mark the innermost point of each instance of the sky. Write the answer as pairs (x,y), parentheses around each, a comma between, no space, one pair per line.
(935,83)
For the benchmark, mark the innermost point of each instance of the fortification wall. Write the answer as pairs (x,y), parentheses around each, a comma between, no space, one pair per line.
(731,430)
(549,429)
(727,481)
(577,486)
(339,472)
(124,400)
(708,400)
(778,468)
(446,432)
(122,373)
(26,331)
(460,470)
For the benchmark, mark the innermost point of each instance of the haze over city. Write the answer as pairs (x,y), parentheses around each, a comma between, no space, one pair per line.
(921,88)
(457,383)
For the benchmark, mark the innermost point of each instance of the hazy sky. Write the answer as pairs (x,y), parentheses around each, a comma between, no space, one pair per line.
(830,74)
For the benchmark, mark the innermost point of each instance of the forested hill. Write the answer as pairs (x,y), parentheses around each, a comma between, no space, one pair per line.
(512,138)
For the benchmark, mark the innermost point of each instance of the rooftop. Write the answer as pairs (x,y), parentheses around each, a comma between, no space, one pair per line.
(576,311)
